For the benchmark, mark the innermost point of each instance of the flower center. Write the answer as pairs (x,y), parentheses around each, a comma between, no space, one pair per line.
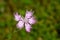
(25,20)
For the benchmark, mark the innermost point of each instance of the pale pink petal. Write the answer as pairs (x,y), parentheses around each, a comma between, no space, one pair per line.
(32,20)
(20,24)
(28,27)
(28,14)
(17,17)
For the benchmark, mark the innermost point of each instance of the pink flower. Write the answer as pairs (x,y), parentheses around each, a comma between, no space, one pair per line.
(27,21)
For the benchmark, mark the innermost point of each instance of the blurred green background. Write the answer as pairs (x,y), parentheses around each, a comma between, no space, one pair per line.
(47,13)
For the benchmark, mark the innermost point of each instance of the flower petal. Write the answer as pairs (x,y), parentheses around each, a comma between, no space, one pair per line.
(28,27)
(32,20)
(17,17)
(29,14)
(20,24)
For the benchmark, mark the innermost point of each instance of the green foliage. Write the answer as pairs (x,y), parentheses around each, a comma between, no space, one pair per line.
(47,13)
